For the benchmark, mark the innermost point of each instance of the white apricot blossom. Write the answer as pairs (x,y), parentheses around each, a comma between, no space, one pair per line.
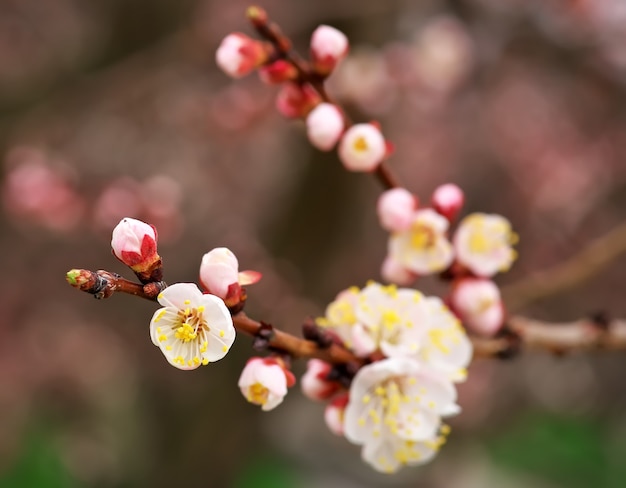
(423,248)
(192,328)
(400,322)
(483,244)
(395,411)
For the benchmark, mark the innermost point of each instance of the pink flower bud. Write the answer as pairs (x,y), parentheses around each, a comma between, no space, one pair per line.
(264,382)
(328,47)
(393,272)
(395,209)
(448,200)
(134,243)
(334,414)
(218,271)
(478,304)
(314,382)
(278,72)
(238,55)
(220,276)
(362,148)
(295,101)
(324,126)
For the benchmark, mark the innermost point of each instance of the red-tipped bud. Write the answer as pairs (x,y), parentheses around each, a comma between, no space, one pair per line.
(315,383)
(278,72)
(134,243)
(334,414)
(296,101)
(238,54)
(328,47)
(448,200)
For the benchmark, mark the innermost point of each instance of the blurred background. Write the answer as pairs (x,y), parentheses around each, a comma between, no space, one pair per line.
(114,108)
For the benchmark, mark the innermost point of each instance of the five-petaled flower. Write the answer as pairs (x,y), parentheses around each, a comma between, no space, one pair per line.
(192,328)
(423,248)
(483,244)
(395,411)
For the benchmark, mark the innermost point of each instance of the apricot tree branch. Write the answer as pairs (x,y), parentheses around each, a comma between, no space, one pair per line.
(523,334)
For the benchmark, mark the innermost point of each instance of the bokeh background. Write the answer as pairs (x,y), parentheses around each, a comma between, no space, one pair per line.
(114,108)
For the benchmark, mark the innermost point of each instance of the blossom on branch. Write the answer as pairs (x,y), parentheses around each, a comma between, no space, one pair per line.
(238,54)
(295,101)
(328,47)
(324,126)
(479,305)
(448,200)
(134,243)
(220,275)
(483,244)
(192,328)
(362,148)
(395,209)
(264,382)
(423,248)
(395,411)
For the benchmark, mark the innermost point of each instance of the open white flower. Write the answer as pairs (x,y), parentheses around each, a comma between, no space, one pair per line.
(423,248)
(191,329)
(483,244)
(395,412)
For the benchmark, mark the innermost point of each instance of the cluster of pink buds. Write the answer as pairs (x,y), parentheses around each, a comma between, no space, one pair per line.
(361,147)
(419,245)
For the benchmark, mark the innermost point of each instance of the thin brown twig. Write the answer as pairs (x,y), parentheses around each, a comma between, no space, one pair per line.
(566,275)
(271,32)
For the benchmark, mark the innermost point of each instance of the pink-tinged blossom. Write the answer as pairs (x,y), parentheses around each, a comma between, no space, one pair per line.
(483,244)
(448,200)
(315,384)
(324,126)
(395,209)
(479,305)
(192,328)
(334,414)
(395,411)
(296,101)
(328,47)
(134,243)
(219,272)
(423,248)
(362,148)
(238,55)
(394,272)
(264,382)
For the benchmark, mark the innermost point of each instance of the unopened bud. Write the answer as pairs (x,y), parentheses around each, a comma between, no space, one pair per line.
(315,384)
(134,243)
(324,126)
(448,200)
(278,72)
(296,101)
(239,54)
(478,304)
(395,209)
(334,414)
(328,47)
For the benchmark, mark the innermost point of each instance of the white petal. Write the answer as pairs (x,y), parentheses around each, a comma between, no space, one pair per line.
(177,294)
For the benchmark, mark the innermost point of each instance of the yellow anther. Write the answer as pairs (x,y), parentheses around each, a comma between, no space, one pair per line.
(224,348)
(162,338)
(205,361)
(360,144)
(201,308)
(221,333)
(366,399)
(187,302)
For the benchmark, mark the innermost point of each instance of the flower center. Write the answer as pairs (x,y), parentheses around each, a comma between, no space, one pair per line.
(258,394)
(422,237)
(360,144)
(191,322)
